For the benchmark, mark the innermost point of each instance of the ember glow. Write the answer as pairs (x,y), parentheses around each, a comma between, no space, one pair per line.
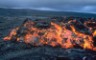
(94,33)
(55,35)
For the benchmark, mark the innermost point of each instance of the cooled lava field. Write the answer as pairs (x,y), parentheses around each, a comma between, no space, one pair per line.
(47,38)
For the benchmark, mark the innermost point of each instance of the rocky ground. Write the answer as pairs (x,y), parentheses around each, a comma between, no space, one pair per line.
(20,51)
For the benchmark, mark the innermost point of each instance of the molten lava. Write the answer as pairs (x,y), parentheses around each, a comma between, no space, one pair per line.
(55,35)
(94,33)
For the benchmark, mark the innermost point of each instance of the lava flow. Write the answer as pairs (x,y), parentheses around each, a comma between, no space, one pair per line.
(67,35)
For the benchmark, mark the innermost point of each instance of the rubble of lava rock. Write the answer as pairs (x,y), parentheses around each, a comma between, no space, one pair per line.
(67,37)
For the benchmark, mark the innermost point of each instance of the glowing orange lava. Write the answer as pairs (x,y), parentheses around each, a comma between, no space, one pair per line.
(56,34)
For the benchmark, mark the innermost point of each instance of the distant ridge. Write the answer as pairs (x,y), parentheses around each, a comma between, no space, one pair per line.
(30,12)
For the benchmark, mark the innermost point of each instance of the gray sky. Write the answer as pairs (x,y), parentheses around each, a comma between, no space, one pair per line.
(52,5)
